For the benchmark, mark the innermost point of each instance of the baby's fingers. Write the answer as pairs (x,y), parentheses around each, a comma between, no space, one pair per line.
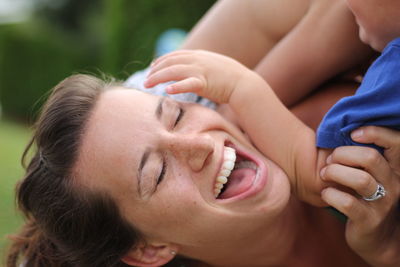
(172,73)
(191,84)
(169,60)
(170,55)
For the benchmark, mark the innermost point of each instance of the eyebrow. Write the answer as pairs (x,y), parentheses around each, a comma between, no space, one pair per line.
(143,161)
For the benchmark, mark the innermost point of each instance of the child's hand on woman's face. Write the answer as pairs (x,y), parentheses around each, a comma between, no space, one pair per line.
(373,227)
(207,74)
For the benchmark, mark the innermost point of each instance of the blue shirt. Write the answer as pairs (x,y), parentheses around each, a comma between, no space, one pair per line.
(376,102)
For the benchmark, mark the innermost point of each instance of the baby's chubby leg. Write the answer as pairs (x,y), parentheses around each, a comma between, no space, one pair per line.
(246,30)
(323,44)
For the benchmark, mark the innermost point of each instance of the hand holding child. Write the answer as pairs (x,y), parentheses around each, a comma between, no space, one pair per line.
(383,137)
(372,230)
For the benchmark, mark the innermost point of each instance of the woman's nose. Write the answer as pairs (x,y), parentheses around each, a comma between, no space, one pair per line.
(193,149)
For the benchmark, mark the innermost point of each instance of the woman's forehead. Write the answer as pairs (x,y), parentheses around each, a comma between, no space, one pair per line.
(122,98)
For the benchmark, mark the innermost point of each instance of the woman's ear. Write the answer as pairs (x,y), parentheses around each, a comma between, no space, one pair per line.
(149,255)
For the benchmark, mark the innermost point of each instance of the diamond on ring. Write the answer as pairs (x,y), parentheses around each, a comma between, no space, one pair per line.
(379,193)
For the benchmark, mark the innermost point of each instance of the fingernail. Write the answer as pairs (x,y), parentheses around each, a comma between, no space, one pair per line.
(329,159)
(148,73)
(323,192)
(357,133)
(322,173)
(169,89)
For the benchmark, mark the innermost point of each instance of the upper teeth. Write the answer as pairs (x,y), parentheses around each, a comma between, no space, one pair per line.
(226,169)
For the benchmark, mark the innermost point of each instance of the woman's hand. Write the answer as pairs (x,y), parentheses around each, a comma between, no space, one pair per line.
(207,74)
(383,137)
(373,228)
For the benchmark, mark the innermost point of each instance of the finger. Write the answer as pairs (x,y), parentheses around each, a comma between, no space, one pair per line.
(358,180)
(380,136)
(171,60)
(172,54)
(192,84)
(384,137)
(172,73)
(366,158)
(347,204)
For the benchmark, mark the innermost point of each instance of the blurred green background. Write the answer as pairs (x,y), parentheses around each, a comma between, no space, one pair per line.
(43,41)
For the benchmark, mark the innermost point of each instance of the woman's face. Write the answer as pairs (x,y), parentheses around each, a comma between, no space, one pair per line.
(160,160)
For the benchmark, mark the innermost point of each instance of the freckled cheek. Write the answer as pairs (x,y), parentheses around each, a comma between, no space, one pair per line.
(177,215)
(182,196)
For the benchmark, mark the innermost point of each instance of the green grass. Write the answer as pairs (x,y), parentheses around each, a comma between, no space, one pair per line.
(13,139)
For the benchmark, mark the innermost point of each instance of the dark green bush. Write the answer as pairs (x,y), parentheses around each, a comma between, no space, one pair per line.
(34,59)
(132,27)
(112,36)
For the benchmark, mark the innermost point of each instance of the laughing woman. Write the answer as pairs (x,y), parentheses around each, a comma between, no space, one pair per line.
(123,178)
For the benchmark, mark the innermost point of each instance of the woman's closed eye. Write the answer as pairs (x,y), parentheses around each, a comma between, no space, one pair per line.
(181,112)
(164,166)
(162,172)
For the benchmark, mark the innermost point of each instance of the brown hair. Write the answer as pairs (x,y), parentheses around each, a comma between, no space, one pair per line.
(67,224)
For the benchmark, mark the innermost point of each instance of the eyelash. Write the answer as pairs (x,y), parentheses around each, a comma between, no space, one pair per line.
(180,115)
(163,171)
(164,165)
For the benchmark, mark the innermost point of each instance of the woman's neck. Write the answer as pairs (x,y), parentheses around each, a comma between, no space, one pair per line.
(302,236)
(270,245)
(321,241)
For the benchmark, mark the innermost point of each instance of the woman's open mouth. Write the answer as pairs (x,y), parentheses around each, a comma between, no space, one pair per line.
(237,175)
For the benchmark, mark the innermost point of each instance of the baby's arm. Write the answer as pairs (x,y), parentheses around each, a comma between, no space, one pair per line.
(280,135)
(275,131)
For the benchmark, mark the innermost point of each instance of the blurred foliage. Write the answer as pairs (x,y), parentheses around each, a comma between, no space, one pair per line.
(13,138)
(112,36)
(34,59)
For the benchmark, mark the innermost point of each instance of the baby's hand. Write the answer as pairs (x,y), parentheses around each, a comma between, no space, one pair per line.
(372,229)
(207,74)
